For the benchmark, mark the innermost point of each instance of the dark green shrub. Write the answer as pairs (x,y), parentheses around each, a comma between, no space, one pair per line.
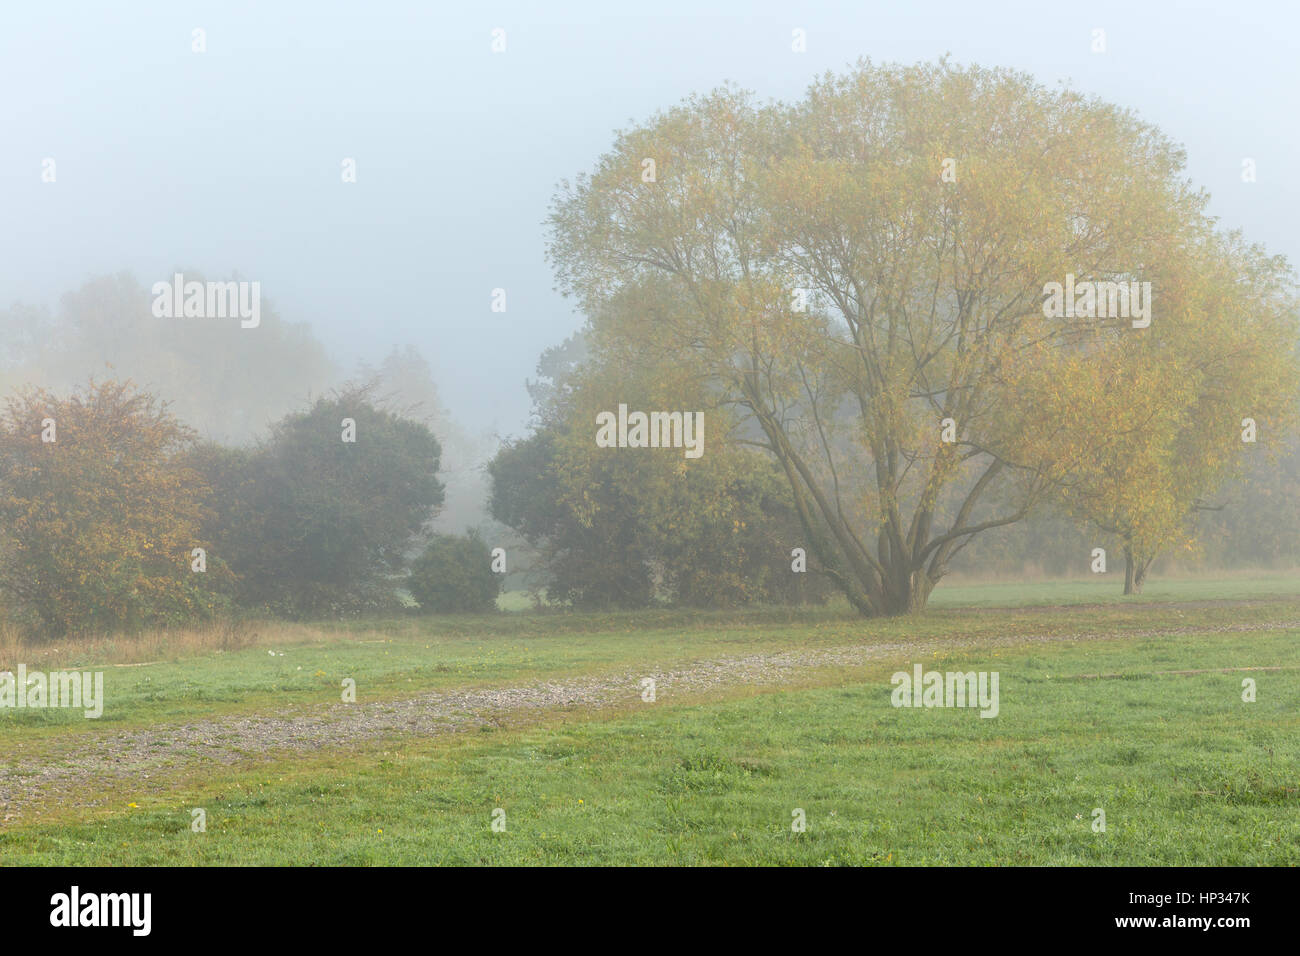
(454,576)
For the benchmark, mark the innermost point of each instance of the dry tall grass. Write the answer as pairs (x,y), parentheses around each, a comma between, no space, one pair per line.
(152,645)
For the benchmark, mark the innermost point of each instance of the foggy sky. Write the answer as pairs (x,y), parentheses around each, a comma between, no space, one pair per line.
(229,161)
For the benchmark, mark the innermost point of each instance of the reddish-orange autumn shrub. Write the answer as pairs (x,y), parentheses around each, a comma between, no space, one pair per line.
(99,516)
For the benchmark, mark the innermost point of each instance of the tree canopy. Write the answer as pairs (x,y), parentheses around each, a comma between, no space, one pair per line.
(862,276)
(100,512)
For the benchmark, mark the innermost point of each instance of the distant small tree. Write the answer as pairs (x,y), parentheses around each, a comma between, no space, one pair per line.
(454,575)
(226,382)
(99,513)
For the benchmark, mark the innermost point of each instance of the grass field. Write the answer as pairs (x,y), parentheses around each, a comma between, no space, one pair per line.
(1134,708)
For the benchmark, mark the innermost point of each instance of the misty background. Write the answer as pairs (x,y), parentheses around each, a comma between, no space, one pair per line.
(227,164)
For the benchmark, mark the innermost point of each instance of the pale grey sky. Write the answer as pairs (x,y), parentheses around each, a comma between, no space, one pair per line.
(230,160)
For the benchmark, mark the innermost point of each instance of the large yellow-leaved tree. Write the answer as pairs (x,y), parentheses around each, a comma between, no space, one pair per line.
(862,277)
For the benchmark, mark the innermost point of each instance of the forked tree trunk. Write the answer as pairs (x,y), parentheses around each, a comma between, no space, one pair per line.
(908,596)
(898,574)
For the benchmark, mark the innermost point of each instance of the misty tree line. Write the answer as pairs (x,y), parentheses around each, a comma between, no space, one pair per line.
(849,288)
(632,528)
(229,388)
(114,515)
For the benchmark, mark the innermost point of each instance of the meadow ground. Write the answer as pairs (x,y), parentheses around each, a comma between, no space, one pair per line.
(1129,706)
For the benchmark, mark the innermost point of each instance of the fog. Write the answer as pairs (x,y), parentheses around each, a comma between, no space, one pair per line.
(228,162)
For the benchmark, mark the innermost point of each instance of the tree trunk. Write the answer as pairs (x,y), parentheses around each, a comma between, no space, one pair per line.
(1140,575)
(908,596)
(1135,571)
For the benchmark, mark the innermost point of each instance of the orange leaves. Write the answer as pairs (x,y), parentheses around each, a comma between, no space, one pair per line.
(95,525)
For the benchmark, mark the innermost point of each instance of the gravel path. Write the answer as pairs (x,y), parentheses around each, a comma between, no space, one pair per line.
(116,760)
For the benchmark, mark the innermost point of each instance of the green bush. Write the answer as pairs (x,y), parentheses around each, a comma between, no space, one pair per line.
(454,575)
(312,525)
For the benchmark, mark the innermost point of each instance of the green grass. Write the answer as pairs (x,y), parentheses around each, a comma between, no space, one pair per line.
(1186,772)
(1090,589)
(1108,589)
(305,667)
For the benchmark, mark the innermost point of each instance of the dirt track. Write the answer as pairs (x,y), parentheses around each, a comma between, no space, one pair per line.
(110,760)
